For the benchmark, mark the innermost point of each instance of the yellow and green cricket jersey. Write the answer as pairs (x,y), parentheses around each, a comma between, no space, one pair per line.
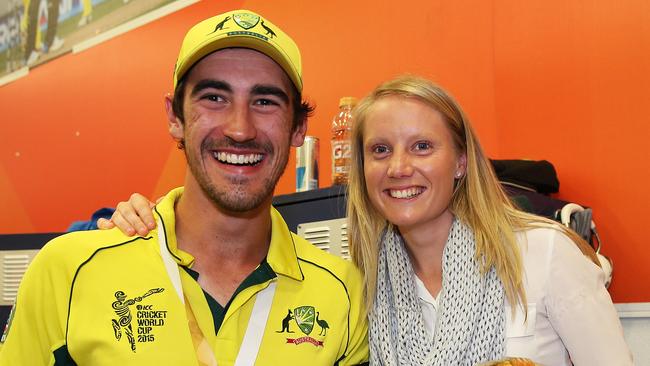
(100,298)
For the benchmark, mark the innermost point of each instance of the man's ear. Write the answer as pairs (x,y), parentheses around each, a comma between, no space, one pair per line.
(175,125)
(298,135)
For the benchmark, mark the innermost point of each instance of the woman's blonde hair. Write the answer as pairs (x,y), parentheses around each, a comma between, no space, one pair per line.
(478,200)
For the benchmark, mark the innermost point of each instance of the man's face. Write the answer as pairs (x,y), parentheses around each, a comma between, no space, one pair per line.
(237,130)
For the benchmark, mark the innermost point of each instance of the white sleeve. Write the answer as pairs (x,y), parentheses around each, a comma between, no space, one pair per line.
(580,309)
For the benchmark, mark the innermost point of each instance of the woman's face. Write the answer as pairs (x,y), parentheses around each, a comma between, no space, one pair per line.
(410,162)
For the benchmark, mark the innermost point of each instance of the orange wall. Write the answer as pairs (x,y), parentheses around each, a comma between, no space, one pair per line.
(572,85)
(548,80)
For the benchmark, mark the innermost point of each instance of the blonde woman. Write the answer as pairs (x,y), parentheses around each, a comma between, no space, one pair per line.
(453,273)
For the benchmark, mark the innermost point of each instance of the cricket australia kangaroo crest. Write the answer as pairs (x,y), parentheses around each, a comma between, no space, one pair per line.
(305,317)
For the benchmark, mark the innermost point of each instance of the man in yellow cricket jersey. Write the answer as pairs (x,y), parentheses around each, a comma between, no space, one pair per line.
(221,280)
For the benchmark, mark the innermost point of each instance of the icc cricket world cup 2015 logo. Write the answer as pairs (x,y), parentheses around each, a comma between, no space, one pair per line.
(123,322)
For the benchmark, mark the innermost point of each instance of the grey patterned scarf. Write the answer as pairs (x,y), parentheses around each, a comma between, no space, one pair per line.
(471,314)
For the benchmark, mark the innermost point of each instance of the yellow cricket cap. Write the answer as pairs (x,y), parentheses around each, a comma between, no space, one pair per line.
(239,28)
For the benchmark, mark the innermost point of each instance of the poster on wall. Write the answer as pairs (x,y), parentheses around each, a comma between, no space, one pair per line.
(35,31)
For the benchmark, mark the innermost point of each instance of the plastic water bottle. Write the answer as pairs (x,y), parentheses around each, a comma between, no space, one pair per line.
(341,126)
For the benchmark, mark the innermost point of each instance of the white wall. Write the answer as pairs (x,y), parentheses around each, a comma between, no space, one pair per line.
(635,318)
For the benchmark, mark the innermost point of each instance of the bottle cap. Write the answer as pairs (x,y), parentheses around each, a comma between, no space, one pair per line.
(351,101)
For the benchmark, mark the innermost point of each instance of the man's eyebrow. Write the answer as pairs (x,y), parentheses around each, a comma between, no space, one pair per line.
(210,84)
(270,90)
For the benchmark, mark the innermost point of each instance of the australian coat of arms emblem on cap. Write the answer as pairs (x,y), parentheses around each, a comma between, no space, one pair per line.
(246,20)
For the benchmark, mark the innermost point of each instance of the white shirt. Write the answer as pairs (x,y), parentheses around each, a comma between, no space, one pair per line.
(570,313)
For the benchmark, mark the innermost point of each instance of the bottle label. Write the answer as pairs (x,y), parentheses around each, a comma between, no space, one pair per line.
(341,170)
(340,161)
(340,149)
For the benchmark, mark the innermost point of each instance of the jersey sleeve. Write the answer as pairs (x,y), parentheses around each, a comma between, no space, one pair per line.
(581,310)
(35,331)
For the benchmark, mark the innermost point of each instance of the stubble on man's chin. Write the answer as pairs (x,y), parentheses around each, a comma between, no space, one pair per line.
(238,198)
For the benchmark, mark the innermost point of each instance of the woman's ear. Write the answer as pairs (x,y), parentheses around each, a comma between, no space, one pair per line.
(461,166)
(176,126)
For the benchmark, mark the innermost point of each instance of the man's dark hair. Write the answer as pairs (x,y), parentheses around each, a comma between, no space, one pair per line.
(301,109)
